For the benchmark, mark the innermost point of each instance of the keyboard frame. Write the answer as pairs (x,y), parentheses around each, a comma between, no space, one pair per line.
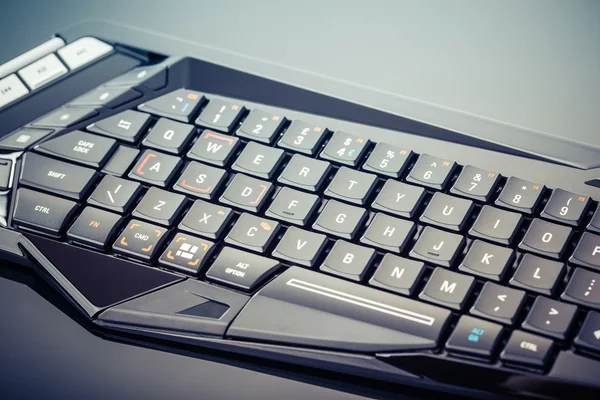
(254,92)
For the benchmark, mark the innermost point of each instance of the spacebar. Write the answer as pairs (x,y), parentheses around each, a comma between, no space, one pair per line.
(306,308)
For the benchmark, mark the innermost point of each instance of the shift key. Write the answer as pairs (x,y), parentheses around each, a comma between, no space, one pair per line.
(56,176)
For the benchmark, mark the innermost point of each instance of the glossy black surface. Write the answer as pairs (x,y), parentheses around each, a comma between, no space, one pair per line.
(92,273)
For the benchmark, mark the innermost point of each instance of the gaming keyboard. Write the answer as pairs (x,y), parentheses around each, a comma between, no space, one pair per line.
(165,209)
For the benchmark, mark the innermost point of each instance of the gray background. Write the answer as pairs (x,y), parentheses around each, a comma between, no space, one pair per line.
(538,60)
(532,63)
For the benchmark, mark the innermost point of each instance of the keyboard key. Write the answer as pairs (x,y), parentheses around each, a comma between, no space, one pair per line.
(474,336)
(261,126)
(106,97)
(438,247)
(476,183)
(399,275)
(293,206)
(348,260)
(550,317)
(525,348)
(187,253)
(496,225)
(23,138)
(206,219)
(246,193)
(546,239)
(151,77)
(302,137)
(583,289)
(447,212)
(345,148)
(140,240)
(566,207)
(498,303)
(221,115)
(340,219)
(200,180)
(389,233)
(5,173)
(127,126)
(587,253)
(115,194)
(179,105)
(520,195)
(42,71)
(399,199)
(54,176)
(240,269)
(300,247)
(11,89)
(66,117)
(155,168)
(365,319)
(169,136)
(594,225)
(80,147)
(253,233)
(351,185)
(487,260)
(447,288)
(94,227)
(388,160)
(431,172)
(538,274)
(305,173)
(121,160)
(83,51)
(160,206)
(42,212)
(214,148)
(589,335)
(259,160)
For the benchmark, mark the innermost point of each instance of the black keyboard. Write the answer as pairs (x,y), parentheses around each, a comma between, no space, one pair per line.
(162,210)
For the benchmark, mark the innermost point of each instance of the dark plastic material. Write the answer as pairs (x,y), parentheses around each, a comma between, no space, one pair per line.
(191,308)
(100,279)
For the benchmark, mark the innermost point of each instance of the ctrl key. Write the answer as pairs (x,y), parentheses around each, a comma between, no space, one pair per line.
(42,212)
(528,349)
(241,270)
